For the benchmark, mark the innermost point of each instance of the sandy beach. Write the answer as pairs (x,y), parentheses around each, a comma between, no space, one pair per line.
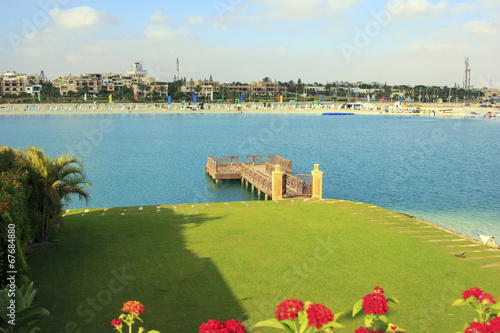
(438,110)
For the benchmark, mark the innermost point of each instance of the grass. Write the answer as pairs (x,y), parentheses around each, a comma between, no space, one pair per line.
(195,262)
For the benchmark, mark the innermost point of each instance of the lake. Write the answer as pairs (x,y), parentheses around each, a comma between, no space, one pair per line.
(439,169)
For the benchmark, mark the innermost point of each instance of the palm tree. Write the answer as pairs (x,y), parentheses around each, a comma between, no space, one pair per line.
(223,91)
(54,180)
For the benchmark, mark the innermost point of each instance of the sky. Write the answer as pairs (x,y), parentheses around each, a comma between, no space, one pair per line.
(388,41)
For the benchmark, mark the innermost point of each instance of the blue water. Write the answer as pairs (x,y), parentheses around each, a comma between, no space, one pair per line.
(442,170)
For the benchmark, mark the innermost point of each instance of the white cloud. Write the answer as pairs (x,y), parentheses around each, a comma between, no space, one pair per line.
(159,17)
(162,33)
(303,10)
(195,20)
(416,9)
(82,19)
(483,28)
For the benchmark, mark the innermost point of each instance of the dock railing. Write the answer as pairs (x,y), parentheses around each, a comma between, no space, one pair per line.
(259,159)
(260,181)
(223,164)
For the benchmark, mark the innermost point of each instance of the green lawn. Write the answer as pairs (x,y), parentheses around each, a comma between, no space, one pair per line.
(190,263)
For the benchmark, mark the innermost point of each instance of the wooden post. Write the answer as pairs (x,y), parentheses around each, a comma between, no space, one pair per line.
(317,182)
(277,177)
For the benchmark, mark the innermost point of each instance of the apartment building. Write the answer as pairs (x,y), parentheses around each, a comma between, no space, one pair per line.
(16,83)
(109,82)
(208,87)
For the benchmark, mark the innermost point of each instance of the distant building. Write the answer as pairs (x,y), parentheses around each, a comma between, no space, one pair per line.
(267,88)
(16,83)
(33,90)
(207,87)
(135,79)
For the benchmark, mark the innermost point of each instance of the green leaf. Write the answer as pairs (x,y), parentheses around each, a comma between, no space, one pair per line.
(357,307)
(20,302)
(494,306)
(392,299)
(381,323)
(288,325)
(332,324)
(273,323)
(338,315)
(303,318)
(458,302)
(30,314)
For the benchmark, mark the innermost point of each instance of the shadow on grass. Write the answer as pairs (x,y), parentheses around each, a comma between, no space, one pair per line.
(100,262)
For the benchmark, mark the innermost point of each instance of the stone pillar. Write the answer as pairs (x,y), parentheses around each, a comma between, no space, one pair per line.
(277,184)
(317,182)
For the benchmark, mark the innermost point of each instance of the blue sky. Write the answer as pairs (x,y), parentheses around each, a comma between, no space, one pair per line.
(394,41)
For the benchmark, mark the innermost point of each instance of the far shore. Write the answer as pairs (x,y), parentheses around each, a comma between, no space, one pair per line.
(444,110)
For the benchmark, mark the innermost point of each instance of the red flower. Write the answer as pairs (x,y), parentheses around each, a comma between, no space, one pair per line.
(378,290)
(117,323)
(364,330)
(476,327)
(474,291)
(288,309)
(234,326)
(133,307)
(211,326)
(318,315)
(494,325)
(486,298)
(375,303)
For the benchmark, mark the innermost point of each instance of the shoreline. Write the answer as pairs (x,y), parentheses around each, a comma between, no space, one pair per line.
(430,110)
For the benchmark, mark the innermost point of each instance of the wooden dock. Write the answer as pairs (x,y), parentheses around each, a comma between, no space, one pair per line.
(257,171)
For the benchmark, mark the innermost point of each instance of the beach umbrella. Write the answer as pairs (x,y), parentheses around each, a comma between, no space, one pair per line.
(488,241)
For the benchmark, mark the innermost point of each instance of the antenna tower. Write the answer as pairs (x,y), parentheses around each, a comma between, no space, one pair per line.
(178,76)
(467,74)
